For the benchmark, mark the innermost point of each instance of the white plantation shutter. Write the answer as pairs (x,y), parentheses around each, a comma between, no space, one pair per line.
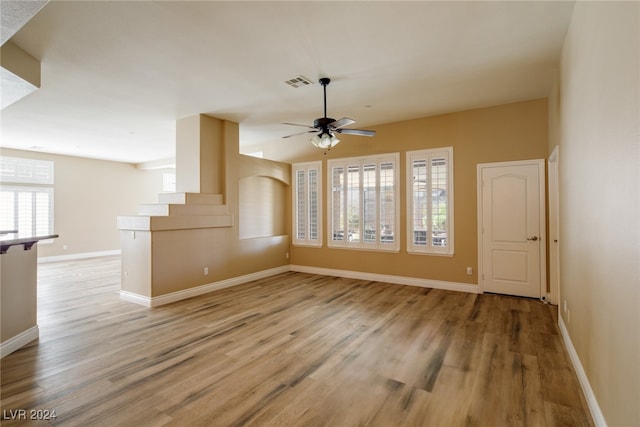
(7,208)
(307,204)
(363,201)
(369,203)
(313,201)
(16,170)
(169,182)
(26,209)
(430,201)
(26,196)
(337,226)
(388,204)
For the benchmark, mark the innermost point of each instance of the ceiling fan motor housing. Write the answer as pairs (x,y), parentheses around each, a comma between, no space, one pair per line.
(323,123)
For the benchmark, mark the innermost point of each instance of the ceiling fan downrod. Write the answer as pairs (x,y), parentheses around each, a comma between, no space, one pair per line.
(325,82)
(322,124)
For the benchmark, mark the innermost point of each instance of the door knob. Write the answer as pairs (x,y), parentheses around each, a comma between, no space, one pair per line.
(534,238)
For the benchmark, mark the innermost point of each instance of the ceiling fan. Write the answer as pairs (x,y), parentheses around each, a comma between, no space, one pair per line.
(325,127)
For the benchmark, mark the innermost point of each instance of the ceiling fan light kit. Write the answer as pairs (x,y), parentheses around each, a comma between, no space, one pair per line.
(325,127)
(325,141)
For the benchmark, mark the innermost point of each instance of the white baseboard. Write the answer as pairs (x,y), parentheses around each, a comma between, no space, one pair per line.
(200,290)
(135,298)
(16,343)
(81,255)
(386,278)
(594,408)
(210,287)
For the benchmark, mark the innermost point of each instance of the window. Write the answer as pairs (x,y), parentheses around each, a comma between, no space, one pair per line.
(430,201)
(169,182)
(307,203)
(26,196)
(364,205)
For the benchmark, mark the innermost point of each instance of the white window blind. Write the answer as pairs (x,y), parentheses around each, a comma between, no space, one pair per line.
(307,204)
(430,201)
(26,171)
(169,182)
(364,203)
(26,196)
(26,209)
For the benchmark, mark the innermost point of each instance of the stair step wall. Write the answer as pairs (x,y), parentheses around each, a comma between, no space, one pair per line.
(179,210)
(190,198)
(165,223)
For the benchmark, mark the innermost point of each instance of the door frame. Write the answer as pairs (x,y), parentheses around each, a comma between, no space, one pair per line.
(540,163)
(553,179)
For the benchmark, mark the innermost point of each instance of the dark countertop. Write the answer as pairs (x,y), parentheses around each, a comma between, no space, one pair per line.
(12,239)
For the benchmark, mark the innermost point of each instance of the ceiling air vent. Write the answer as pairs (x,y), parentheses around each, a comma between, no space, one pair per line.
(298,81)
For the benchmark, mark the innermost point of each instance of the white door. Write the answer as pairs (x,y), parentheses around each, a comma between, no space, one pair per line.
(512,228)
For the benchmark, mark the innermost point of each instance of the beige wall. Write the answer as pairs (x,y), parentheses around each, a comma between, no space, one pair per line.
(503,133)
(88,195)
(599,135)
(256,194)
(18,297)
(261,207)
(200,161)
(20,63)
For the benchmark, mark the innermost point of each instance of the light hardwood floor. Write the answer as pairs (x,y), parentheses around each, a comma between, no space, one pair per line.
(290,350)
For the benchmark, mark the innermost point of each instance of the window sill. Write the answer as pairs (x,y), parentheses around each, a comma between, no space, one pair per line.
(307,245)
(445,254)
(365,249)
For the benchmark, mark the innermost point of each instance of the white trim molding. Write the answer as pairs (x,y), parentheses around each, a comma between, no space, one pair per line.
(234,281)
(82,255)
(200,290)
(17,342)
(553,208)
(136,298)
(542,226)
(592,402)
(168,163)
(386,278)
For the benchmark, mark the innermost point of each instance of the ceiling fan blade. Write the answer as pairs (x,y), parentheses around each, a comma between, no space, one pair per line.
(300,133)
(357,132)
(345,121)
(296,124)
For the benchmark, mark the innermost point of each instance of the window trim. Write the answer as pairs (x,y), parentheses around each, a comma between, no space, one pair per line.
(306,167)
(361,161)
(429,154)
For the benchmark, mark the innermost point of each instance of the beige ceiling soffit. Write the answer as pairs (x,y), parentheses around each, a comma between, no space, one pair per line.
(157,164)
(15,13)
(20,73)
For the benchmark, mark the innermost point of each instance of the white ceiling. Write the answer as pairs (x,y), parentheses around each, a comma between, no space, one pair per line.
(117,75)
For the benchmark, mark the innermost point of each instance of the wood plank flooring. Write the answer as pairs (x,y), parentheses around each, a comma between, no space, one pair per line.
(290,350)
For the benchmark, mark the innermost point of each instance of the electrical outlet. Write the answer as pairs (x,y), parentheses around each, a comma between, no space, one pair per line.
(206,271)
(286,255)
(564,305)
(469,271)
